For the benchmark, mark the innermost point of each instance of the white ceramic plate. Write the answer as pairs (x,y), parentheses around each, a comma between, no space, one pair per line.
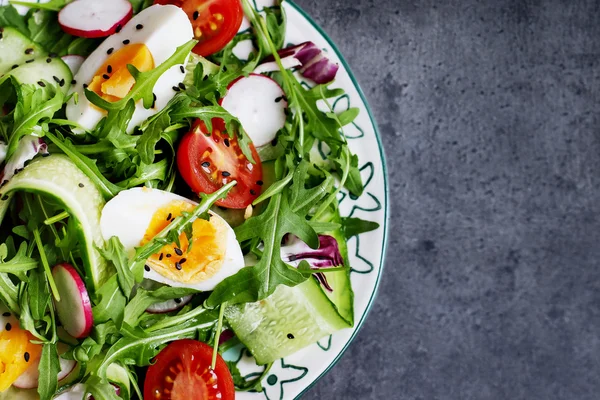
(289,378)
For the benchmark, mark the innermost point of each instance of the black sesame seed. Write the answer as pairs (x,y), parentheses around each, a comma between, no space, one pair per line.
(225,174)
(178,251)
(61,83)
(126,41)
(53,55)
(182,261)
(28,51)
(178,301)
(278,99)
(206,164)
(169,216)
(139,26)
(195,15)
(56,79)
(226,141)
(26,356)
(290,336)
(105,76)
(42,84)
(182,69)
(73,82)
(4,182)
(147,268)
(168,256)
(0,35)
(30,61)
(4,198)
(14,66)
(181,86)
(252,192)
(109,69)
(119,27)
(85,85)
(160,257)
(178,266)
(6,314)
(46,155)
(176,88)
(259,183)
(81,185)
(109,51)
(48,60)
(8,326)
(16,171)
(274,142)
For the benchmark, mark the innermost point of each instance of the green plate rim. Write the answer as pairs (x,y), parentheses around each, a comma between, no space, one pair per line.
(385,184)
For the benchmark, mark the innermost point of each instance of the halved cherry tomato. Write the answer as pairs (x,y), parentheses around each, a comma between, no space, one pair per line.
(215,22)
(182,371)
(209,160)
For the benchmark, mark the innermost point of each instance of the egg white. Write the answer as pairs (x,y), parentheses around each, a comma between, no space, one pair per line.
(128,215)
(164,29)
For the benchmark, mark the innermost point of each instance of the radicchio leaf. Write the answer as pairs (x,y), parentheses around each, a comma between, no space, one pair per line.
(29,146)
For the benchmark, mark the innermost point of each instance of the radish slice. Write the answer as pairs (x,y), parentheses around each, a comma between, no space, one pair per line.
(288,63)
(73,61)
(74,308)
(94,19)
(30,378)
(75,392)
(259,103)
(169,305)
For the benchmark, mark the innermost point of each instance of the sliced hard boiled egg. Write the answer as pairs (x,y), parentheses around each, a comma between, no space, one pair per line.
(137,215)
(16,350)
(146,41)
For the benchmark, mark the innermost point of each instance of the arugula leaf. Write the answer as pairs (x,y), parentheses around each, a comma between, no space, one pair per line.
(34,105)
(145,298)
(9,16)
(48,369)
(139,5)
(144,81)
(39,295)
(53,5)
(151,136)
(111,302)
(9,293)
(87,166)
(258,282)
(249,383)
(100,389)
(19,263)
(356,226)
(114,252)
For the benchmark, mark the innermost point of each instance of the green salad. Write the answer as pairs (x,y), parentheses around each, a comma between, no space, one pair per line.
(165,197)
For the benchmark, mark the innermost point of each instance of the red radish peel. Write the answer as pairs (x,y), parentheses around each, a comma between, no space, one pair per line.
(74,309)
(94,19)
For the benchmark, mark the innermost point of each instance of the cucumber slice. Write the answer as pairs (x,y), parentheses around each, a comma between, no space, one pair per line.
(57,177)
(285,322)
(16,49)
(118,375)
(54,72)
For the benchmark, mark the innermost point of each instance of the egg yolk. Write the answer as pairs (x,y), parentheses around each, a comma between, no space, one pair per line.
(188,264)
(113,81)
(17,353)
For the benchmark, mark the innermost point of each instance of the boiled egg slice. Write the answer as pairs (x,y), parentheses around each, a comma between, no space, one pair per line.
(146,41)
(137,215)
(17,352)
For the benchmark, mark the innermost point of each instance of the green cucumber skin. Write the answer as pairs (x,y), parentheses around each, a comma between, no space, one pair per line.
(13,46)
(42,70)
(57,177)
(304,312)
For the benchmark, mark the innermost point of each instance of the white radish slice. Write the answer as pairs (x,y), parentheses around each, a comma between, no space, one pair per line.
(259,103)
(93,18)
(169,305)
(30,378)
(74,62)
(287,62)
(74,308)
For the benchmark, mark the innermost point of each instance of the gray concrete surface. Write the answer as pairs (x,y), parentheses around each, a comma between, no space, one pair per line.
(490,115)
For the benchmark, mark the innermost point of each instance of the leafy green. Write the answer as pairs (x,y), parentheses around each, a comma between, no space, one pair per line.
(356,226)
(52,5)
(48,368)
(9,16)
(145,298)
(114,252)
(20,263)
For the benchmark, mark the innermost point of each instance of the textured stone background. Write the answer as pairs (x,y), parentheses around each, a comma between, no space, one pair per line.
(490,115)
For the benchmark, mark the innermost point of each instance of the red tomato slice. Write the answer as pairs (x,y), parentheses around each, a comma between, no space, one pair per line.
(209,160)
(215,22)
(182,372)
